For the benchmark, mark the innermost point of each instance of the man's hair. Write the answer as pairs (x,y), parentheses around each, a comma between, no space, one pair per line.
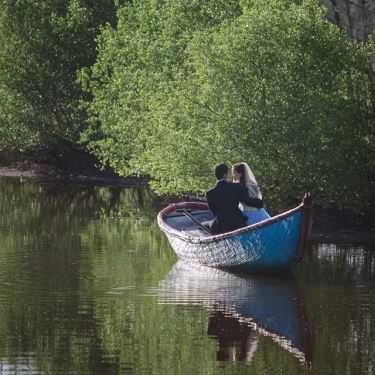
(221,170)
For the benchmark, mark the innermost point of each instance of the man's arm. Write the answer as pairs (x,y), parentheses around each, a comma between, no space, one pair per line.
(252,202)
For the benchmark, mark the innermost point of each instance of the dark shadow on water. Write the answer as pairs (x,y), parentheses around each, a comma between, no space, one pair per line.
(282,274)
(236,341)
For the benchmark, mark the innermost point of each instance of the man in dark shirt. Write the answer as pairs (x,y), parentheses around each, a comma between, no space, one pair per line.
(223,201)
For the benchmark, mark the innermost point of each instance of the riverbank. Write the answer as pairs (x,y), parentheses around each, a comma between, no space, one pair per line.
(75,166)
(330,225)
(39,173)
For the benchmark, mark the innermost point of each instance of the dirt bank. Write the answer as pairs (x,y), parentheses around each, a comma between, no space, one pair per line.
(70,165)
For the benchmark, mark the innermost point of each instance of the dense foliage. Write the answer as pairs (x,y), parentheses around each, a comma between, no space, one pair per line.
(44,43)
(168,88)
(181,85)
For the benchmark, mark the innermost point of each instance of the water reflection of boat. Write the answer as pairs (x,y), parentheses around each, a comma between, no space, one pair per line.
(20,365)
(242,308)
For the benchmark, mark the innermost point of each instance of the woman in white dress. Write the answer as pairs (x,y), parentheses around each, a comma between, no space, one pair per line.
(242,174)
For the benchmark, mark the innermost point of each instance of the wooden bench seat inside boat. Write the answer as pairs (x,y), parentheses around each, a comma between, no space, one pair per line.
(191,221)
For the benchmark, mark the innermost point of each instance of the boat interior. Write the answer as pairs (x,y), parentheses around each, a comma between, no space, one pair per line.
(195,222)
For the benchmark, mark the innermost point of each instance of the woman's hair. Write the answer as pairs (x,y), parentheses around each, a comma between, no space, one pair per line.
(240,169)
(248,179)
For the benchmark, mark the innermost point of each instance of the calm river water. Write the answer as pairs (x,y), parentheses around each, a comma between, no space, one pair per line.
(88,285)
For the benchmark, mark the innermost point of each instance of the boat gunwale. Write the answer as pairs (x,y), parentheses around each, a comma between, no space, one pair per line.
(216,237)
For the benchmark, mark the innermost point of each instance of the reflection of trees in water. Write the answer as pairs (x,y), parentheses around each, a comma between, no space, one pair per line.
(99,200)
(54,199)
(47,309)
(339,263)
(339,282)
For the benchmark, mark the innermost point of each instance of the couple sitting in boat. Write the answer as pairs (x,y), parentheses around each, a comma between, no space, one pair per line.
(235,203)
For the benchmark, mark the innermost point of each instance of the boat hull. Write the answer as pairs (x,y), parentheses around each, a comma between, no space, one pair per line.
(273,244)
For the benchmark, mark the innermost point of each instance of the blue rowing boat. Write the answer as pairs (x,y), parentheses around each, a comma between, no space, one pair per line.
(272,244)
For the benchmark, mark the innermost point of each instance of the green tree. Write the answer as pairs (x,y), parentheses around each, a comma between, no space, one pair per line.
(44,43)
(141,67)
